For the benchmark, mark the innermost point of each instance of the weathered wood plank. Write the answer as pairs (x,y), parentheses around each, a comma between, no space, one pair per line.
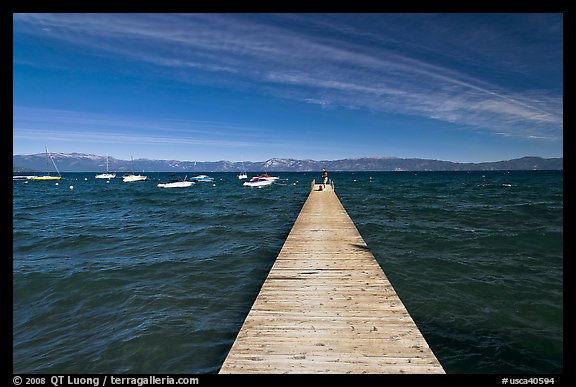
(327,306)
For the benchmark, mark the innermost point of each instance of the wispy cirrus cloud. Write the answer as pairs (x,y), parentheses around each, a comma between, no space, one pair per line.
(337,61)
(77,127)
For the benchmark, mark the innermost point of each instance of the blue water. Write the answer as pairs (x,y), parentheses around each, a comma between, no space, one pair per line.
(130,278)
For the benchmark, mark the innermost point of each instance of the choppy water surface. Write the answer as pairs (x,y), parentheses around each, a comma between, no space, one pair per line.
(127,277)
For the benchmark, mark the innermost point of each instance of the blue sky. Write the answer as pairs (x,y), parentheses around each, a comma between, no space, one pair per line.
(457,87)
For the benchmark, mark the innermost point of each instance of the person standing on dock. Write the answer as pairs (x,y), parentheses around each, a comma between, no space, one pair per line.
(324,176)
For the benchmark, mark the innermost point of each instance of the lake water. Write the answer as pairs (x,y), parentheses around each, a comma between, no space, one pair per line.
(113,277)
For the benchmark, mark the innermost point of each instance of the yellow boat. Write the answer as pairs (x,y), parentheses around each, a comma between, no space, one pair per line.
(47,176)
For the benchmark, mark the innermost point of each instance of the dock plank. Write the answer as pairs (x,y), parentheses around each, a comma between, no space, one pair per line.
(327,307)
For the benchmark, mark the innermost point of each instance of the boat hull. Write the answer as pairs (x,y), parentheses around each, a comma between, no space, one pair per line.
(43,178)
(178,184)
(260,183)
(133,178)
(203,178)
(105,176)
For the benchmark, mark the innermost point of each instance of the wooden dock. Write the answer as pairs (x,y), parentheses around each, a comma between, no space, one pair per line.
(327,306)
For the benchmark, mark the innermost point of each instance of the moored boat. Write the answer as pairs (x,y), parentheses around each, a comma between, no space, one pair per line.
(258,181)
(106,175)
(176,183)
(266,176)
(133,177)
(242,175)
(48,176)
(204,178)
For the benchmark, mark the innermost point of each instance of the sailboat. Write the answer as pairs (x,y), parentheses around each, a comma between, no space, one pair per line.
(106,175)
(242,174)
(131,178)
(47,176)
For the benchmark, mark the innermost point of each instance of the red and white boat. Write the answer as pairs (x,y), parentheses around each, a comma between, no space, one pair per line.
(260,181)
(266,176)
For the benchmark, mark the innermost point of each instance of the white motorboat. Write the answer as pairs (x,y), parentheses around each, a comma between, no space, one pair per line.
(176,183)
(258,181)
(266,176)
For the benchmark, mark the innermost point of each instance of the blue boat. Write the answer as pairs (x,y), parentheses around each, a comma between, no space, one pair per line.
(202,178)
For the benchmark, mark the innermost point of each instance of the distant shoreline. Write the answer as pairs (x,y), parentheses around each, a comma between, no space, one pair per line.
(76,162)
(119,175)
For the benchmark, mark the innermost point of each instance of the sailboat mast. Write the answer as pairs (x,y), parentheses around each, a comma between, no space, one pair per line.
(49,156)
(47,165)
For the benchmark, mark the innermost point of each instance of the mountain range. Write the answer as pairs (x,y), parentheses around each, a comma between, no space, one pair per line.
(79,162)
